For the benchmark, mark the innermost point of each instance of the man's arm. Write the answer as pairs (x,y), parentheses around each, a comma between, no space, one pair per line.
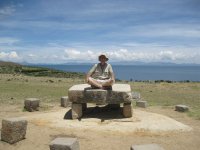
(112,74)
(89,74)
(87,77)
(112,77)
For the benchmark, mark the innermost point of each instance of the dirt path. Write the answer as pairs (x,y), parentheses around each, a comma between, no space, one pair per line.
(102,133)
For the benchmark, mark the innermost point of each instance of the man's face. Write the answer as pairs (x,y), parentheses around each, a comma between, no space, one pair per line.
(102,60)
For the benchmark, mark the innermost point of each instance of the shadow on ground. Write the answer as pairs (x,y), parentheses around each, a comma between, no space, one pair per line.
(103,113)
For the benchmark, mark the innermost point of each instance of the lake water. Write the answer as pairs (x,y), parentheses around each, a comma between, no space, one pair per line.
(127,72)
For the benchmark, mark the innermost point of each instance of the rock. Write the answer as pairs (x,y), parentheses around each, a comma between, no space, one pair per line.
(135,95)
(181,108)
(83,93)
(127,110)
(13,130)
(31,104)
(142,104)
(64,144)
(64,101)
(146,147)
(76,110)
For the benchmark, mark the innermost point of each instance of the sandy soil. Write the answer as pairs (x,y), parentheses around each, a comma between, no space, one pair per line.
(103,129)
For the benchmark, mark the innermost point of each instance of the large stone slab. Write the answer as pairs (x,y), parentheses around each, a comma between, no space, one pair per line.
(13,130)
(83,93)
(64,144)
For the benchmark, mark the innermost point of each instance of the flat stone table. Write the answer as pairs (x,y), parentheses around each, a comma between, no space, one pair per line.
(82,94)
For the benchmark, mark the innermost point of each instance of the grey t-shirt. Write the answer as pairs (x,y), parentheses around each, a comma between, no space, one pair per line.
(101,72)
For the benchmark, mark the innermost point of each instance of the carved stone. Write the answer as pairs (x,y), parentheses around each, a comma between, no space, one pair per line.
(32,104)
(13,130)
(64,144)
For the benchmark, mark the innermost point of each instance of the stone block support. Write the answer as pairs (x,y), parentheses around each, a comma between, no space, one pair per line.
(77,110)
(127,110)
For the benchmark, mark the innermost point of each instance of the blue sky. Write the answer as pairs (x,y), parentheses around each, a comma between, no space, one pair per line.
(50,31)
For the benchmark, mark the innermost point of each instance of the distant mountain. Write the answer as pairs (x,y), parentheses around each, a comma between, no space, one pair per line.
(137,63)
(3,63)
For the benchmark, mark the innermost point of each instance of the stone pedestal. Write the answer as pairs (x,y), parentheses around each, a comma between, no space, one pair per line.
(76,111)
(64,102)
(64,144)
(142,104)
(127,110)
(146,147)
(31,104)
(13,130)
(181,108)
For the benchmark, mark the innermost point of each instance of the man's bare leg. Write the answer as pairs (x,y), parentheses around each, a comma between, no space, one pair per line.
(92,81)
(108,83)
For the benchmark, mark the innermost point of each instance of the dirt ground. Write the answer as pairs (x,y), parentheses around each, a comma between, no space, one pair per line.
(40,133)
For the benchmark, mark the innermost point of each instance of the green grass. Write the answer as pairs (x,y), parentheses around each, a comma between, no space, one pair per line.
(15,88)
(171,94)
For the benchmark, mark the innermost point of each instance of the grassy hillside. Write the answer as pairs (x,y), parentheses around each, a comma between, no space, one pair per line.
(14,68)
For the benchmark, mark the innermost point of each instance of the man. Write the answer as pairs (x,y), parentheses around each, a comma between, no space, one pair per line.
(101,75)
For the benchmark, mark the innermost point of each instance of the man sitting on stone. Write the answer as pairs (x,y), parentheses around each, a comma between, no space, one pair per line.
(101,75)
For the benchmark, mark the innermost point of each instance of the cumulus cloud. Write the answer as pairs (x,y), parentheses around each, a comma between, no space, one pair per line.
(9,56)
(127,55)
(72,54)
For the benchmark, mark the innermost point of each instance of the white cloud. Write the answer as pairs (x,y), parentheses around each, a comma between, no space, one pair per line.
(32,55)
(9,56)
(8,40)
(187,30)
(72,54)
(7,10)
(127,55)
